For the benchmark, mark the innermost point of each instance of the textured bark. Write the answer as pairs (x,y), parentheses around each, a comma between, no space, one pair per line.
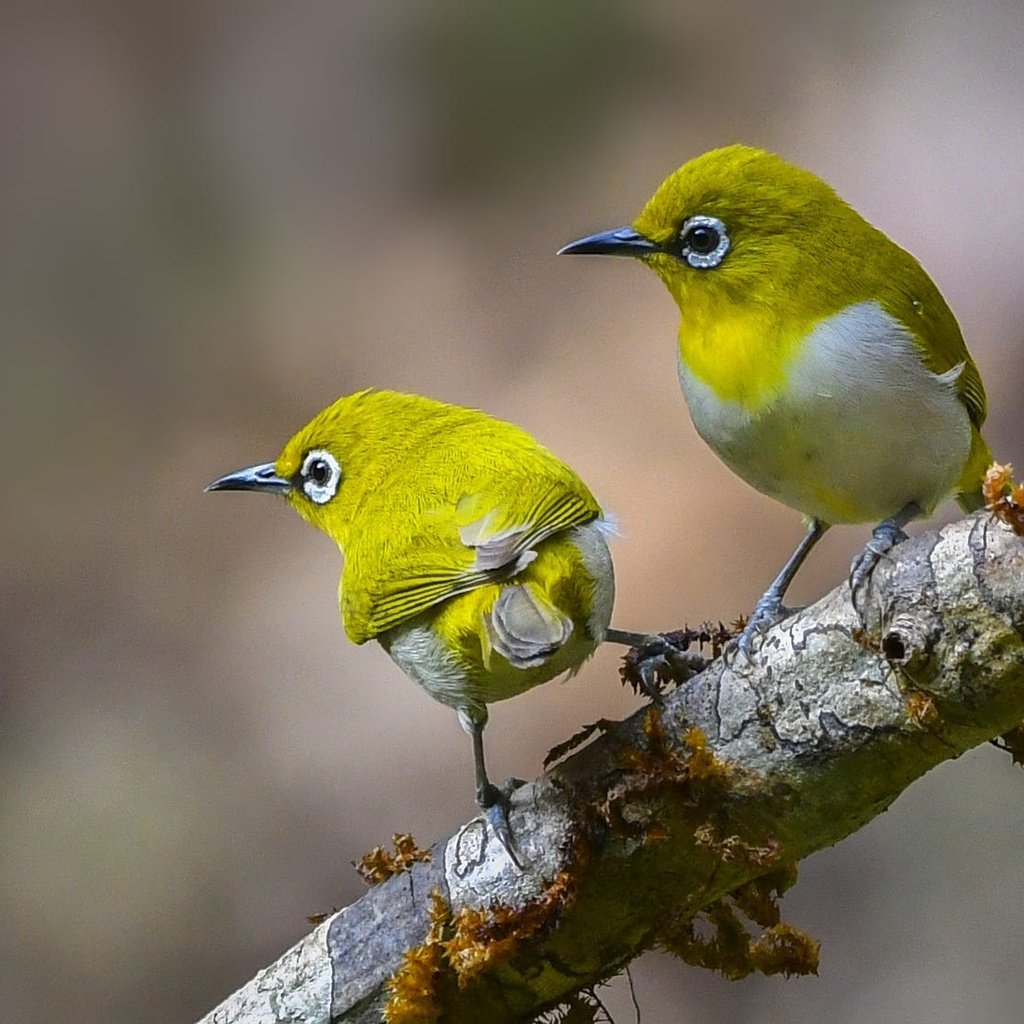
(634,834)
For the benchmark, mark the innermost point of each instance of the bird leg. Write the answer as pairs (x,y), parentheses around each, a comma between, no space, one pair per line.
(491,799)
(885,536)
(769,608)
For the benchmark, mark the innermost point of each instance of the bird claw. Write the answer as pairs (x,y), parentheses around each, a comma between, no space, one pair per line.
(656,661)
(768,611)
(495,802)
(884,538)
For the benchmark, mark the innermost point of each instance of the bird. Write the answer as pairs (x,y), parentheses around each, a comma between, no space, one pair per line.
(818,359)
(473,555)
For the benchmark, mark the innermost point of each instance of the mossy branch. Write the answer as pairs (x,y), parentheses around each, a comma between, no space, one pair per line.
(687,813)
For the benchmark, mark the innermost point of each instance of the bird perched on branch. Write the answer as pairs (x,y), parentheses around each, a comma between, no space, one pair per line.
(472,555)
(818,359)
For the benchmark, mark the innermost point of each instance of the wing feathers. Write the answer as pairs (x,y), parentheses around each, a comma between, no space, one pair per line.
(525,630)
(497,547)
(502,540)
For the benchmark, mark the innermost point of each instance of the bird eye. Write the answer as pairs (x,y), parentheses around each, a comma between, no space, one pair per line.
(320,475)
(703,242)
(701,239)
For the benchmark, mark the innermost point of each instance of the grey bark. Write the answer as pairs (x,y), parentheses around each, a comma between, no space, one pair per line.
(819,732)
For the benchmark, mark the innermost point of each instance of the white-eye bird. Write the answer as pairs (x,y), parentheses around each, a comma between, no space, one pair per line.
(471,554)
(817,358)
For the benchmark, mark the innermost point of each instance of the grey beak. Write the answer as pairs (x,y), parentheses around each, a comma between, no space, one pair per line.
(617,242)
(255,478)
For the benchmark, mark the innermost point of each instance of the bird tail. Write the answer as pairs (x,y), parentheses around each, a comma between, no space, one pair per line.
(969,495)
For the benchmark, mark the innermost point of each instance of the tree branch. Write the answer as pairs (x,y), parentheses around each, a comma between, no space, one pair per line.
(747,768)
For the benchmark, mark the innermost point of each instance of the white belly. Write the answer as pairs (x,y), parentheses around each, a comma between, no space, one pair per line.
(862,429)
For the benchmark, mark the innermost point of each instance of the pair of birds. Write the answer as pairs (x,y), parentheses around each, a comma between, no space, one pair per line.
(817,359)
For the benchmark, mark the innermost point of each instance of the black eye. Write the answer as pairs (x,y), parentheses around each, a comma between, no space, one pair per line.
(703,242)
(320,475)
(701,239)
(319,472)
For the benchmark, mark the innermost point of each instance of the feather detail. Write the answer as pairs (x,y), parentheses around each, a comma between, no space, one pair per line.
(501,556)
(524,629)
(497,546)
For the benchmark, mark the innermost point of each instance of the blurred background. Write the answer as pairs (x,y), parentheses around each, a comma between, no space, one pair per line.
(216,218)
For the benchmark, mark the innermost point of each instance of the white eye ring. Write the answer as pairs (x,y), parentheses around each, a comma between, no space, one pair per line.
(321,475)
(703,258)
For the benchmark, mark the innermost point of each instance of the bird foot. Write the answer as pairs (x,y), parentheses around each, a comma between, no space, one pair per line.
(768,611)
(495,801)
(884,538)
(655,661)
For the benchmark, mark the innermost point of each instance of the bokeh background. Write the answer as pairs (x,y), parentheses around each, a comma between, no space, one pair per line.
(215,218)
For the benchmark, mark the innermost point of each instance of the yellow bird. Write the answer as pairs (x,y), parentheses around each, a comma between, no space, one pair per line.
(817,358)
(471,554)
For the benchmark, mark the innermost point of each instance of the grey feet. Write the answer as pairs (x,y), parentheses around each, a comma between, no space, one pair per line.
(657,659)
(491,799)
(885,536)
(495,802)
(767,612)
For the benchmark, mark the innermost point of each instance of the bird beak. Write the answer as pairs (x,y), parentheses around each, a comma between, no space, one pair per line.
(617,242)
(255,478)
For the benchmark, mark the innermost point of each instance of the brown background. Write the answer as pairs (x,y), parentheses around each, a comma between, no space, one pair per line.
(217,218)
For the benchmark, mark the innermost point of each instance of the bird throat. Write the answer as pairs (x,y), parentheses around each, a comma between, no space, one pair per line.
(744,357)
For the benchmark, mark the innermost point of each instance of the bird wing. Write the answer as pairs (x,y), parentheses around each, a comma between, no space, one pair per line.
(972,391)
(484,535)
(948,355)
(920,306)
(525,628)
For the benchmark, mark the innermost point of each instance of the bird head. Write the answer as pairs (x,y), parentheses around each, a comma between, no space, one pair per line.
(737,227)
(318,469)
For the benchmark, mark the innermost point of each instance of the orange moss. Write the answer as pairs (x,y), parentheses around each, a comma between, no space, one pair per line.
(465,944)
(921,707)
(320,918)
(758,899)
(413,987)
(783,949)
(485,938)
(656,766)
(377,865)
(719,940)
(702,763)
(412,998)
(726,949)
(678,641)
(1003,497)
(865,640)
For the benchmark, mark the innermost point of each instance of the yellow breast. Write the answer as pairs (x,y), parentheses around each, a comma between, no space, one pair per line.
(742,354)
